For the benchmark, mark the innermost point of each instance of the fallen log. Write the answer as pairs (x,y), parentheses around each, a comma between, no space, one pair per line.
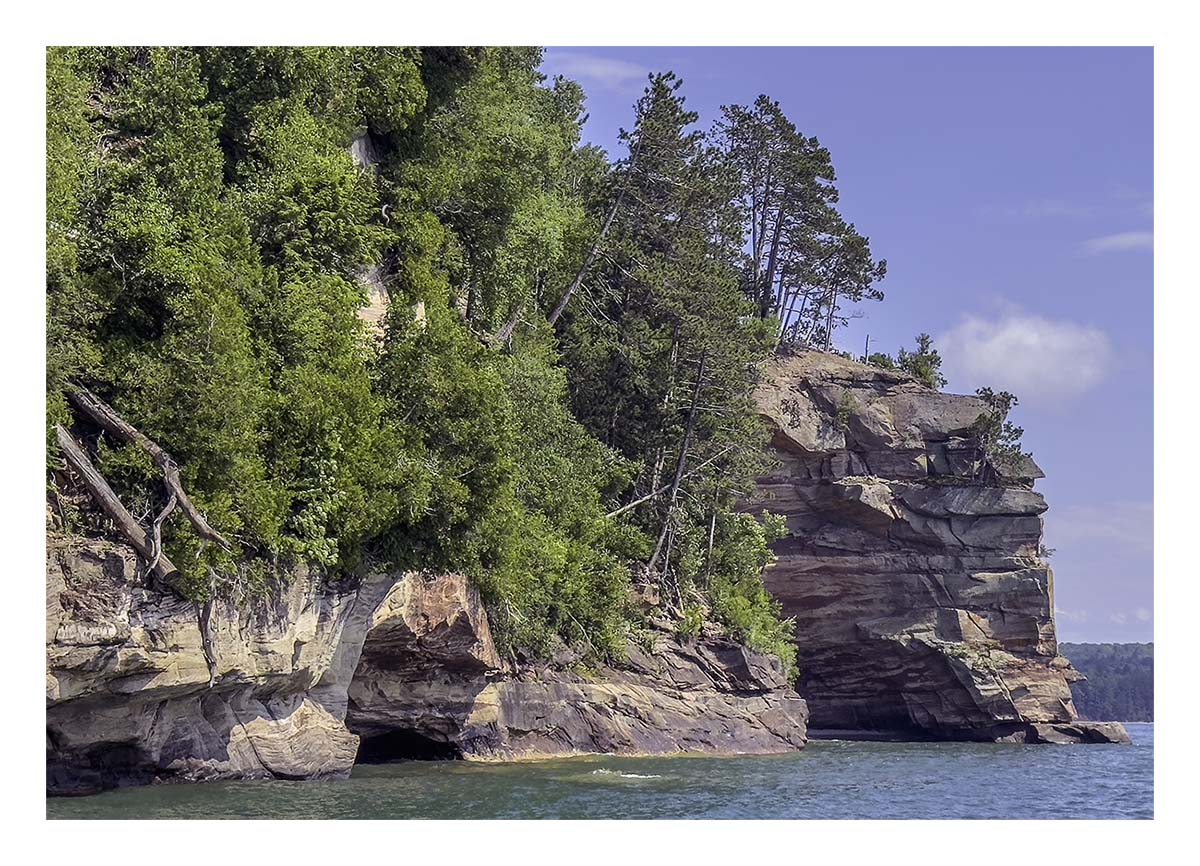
(108,419)
(112,506)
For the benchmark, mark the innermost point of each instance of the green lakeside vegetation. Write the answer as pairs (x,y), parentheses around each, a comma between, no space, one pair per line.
(1120,680)
(557,401)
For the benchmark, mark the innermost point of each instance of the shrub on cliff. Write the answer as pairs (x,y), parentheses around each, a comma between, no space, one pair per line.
(739,597)
(999,439)
(558,396)
(924,362)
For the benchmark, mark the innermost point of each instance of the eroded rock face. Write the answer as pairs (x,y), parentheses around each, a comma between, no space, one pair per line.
(287,685)
(911,563)
(131,698)
(431,685)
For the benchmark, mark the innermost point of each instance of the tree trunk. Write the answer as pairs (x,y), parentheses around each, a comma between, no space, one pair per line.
(783,325)
(112,506)
(768,290)
(668,394)
(682,461)
(712,533)
(765,206)
(107,418)
(829,321)
(505,333)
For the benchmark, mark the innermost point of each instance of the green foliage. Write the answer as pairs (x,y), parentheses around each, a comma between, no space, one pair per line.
(882,360)
(999,439)
(690,623)
(804,260)
(207,236)
(662,350)
(71,303)
(1120,680)
(740,600)
(218,235)
(924,362)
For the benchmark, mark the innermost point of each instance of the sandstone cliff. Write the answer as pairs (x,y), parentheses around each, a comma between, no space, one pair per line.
(922,606)
(141,688)
(429,679)
(922,609)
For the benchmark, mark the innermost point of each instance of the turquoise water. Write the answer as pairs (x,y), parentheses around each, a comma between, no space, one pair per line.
(829,779)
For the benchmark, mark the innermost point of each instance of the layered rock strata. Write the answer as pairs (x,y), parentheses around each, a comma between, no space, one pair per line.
(142,687)
(911,561)
(429,680)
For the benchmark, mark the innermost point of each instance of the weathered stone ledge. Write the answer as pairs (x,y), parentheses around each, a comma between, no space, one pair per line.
(403,662)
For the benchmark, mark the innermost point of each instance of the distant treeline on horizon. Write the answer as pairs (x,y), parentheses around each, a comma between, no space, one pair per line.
(1120,680)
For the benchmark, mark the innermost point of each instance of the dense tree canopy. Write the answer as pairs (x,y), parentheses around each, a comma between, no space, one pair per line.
(1120,680)
(557,401)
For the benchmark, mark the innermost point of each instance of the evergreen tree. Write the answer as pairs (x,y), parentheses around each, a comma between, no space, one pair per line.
(558,399)
(924,362)
(663,351)
(804,261)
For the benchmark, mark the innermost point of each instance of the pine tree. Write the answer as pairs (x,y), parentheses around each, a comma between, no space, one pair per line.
(804,262)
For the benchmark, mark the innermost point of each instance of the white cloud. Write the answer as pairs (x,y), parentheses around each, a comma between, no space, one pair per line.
(608,72)
(1142,614)
(1037,359)
(1119,618)
(1077,616)
(1119,242)
(1128,525)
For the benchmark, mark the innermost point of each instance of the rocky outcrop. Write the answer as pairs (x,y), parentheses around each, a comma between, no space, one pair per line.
(911,562)
(142,687)
(430,684)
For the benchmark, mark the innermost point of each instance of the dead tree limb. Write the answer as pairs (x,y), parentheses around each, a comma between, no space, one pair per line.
(667,487)
(156,529)
(111,505)
(107,418)
(592,253)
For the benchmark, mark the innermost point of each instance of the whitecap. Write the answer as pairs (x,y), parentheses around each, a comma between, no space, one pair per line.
(605,772)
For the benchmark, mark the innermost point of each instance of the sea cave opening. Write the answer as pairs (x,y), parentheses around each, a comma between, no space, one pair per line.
(404,744)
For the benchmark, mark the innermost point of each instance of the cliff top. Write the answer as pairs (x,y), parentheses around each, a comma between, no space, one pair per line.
(819,402)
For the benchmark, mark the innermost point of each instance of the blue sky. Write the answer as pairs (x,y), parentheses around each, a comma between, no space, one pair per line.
(1010,191)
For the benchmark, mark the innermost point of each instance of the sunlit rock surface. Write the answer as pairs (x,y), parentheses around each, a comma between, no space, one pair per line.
(142,687)
(911,562)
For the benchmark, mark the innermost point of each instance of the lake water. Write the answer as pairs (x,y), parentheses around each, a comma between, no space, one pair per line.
(829,779)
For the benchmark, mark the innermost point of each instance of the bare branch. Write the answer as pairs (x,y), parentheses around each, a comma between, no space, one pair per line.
(667,487)
(112,506)
(107,418)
